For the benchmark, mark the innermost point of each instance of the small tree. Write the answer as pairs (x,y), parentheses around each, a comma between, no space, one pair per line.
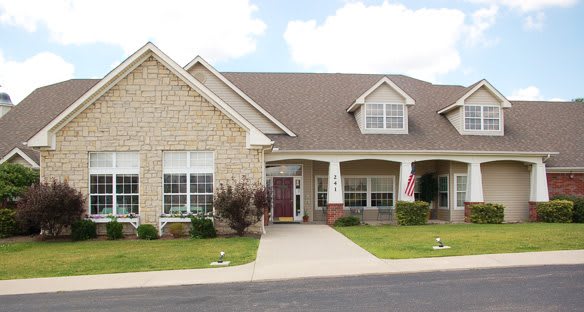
(14,180)
(237,204)
(50,205)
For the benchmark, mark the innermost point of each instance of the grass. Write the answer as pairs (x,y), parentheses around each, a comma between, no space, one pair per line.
(48,259)
(404,242)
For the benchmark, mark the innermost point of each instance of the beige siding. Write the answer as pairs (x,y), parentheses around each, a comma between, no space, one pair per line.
(455,118)
(359,118)
(482,96)
(507,183)
(150,111)
(17,159)
(234,100)
(443,168)
(384,94)
(456,168)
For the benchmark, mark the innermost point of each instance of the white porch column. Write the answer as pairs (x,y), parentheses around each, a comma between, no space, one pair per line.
(474,184)
(538,183)
(404,174)
(335,187)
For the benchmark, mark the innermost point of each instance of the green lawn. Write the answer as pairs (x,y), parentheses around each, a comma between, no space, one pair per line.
(45,259)
(403,242)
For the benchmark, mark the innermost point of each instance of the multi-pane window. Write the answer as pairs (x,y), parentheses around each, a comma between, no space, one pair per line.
(188,182)
(321,191)
(114,183)
(461,181)
(355,192)
(384,116)
(381,192)
(479,117)
(443,191)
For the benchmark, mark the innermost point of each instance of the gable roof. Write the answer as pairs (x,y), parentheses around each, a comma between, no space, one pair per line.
(19,151)
(384,80)
(461,96)
(200,60)
(45,137)
(37,110)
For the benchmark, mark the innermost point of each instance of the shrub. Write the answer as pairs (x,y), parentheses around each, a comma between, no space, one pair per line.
(412,213)
(50,205)
(176,229)
(555,211)
(428,187)
(14,180)
(83,230)
(234,204)
(487,213)
(578,210)
(347,221)
(202,228)
(147,231)
(114,229)
(7,222)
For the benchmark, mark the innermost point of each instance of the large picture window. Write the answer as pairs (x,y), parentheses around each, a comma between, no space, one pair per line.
(188,182)
(384,116)
(482,117)
(114,183)
(355,192)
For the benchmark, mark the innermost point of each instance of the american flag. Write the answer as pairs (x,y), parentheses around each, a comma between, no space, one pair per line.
(411,182)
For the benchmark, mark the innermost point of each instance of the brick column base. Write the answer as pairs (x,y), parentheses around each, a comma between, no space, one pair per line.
(333,212)
(533,211)
(467,210)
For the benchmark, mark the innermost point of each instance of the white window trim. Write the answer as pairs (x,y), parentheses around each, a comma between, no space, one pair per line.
(456,190)
(114,172)
(368,177)
(447,191)
(316,177)
(482,118)
(188,170)
(385,129)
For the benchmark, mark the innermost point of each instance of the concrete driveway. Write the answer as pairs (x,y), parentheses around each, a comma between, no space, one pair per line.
(310,250)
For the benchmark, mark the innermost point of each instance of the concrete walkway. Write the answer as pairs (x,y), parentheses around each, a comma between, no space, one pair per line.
(291,251)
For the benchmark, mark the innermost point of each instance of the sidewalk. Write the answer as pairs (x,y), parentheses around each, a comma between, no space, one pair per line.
(323,253)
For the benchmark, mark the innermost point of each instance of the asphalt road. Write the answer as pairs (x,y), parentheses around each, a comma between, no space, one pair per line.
(549,288)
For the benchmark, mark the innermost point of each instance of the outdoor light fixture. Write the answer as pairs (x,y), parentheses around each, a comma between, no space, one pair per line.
(221,256)
(440,244)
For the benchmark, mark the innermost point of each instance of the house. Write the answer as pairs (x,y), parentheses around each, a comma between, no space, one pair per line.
(155,139)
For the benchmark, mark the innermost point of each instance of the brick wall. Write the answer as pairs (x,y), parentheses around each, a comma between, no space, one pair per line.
(149,111)
(565,184)
(333,212)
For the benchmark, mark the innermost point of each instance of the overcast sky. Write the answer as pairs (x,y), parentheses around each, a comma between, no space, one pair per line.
(528,49)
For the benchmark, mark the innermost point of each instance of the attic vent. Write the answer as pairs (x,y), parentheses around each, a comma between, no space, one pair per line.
(200,76)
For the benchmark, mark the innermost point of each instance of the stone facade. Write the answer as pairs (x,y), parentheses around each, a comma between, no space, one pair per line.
(149,111)
(565,184)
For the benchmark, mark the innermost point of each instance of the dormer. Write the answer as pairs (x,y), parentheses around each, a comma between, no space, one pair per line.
(383,108)
(478,111)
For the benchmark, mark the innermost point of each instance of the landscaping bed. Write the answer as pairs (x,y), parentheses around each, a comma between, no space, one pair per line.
(29,259)
(403,242)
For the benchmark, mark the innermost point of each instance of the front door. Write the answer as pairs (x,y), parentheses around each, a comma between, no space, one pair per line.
(283,202)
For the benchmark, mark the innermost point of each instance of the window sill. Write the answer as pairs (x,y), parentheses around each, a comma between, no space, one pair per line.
(134,220)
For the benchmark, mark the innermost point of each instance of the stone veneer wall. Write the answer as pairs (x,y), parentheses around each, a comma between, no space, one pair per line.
(149,111)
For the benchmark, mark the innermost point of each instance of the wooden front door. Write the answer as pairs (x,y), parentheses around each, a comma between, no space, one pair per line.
(283,190)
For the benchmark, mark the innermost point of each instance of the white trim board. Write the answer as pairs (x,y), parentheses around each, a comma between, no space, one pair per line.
(19,152)
(483,83)
(361,99)
(46,136)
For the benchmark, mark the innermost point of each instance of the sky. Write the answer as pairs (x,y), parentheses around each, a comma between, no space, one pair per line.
(527,49)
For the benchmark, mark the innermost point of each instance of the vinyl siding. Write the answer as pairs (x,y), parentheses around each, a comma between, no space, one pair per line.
(384,94)
(482,96)
(17,159)
(359,118)
(234,100)
(456,216)
(455,118)
(507,183)
(443,168)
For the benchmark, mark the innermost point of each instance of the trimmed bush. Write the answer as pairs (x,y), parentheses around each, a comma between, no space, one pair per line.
(51,206)
(412,213)
(487,213)
(347,221)
(242,204)
(7,222)
(555,211)
(114,229)
(147,231)
(83,230)
(578,210)
(176,229)
(202,228)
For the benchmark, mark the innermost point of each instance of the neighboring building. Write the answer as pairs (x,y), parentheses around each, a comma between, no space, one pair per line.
(155,139)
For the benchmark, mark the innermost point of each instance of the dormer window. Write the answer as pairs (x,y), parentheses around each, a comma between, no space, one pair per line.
(384,116)
(482,118)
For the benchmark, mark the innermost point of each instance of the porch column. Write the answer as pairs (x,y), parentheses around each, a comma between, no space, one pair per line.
(538,189)
(404,175)
(474,188)
(335,203)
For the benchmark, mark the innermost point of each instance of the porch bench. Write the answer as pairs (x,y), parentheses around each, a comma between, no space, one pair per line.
(358,211)
(384,211)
